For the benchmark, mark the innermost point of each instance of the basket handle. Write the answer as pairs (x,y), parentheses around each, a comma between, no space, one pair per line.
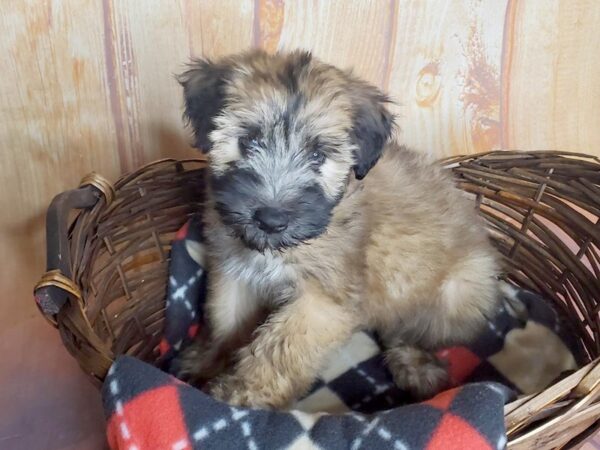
(57,286)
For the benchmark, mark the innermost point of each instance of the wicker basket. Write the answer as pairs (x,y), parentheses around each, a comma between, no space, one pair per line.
(107,265)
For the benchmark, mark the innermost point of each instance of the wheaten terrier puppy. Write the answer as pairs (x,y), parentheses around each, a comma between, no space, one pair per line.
(318,225)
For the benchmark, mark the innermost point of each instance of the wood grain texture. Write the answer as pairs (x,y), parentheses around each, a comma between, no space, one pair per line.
(353,35)
(552,76)
(146,48)
(89,85)
(445,74)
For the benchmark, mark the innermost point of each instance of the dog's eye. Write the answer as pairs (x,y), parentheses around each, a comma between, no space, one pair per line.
(250,143)
(317,157)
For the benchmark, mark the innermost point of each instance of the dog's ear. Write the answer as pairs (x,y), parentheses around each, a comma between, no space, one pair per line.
(371,127)
(204,94)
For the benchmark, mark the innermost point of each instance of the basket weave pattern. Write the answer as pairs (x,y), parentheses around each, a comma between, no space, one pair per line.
(542,209)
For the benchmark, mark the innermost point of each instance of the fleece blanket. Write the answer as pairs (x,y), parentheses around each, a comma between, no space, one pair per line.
(354,403)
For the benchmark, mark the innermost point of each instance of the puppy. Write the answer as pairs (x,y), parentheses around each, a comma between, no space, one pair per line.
(318,225)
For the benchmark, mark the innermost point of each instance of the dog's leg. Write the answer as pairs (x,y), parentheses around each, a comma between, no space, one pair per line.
(416,370)
(233,314)
(287,352)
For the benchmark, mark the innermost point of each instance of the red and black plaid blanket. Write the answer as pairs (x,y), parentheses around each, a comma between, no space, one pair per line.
(354,403)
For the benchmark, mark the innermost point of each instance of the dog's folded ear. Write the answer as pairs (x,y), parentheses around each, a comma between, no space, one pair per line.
(371,128)
(204,94)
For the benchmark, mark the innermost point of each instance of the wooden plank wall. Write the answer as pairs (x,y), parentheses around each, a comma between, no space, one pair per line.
(88,85)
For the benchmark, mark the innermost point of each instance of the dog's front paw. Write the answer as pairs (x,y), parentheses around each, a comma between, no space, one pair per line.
(232,390)
(223,389)
(198,363)
(237,390)
(419,372)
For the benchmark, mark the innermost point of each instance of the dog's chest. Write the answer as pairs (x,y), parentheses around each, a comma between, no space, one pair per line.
(268,275)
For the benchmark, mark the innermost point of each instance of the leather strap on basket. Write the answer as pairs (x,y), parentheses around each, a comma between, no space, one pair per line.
(50,291)
(57,286)
(100,183)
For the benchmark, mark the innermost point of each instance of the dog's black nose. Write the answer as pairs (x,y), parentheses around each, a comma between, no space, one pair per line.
(271,220)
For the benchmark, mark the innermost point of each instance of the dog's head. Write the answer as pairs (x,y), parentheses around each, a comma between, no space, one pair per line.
(284,133)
